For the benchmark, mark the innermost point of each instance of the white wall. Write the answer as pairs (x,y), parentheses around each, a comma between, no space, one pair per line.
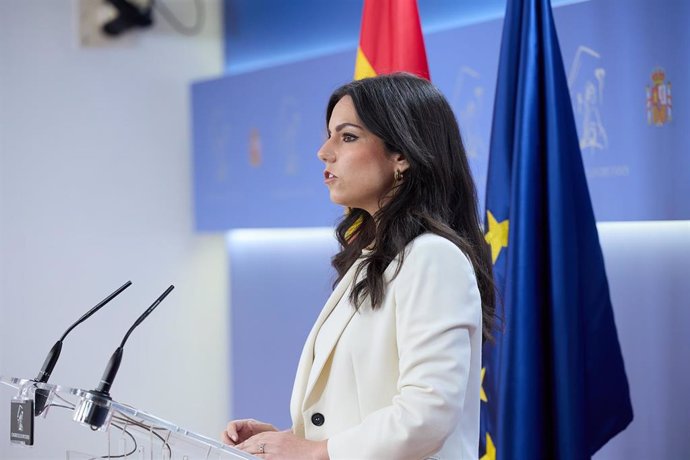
(95,189)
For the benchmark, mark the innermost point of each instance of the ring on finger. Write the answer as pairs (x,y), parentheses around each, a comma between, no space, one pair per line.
(262,447)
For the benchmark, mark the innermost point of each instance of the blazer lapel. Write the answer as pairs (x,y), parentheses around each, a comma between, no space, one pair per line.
(303,385)
(329,344)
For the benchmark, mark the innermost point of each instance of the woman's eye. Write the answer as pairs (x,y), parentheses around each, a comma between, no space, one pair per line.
(349,137)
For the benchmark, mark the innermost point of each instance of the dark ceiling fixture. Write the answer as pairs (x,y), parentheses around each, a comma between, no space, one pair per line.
(129,16)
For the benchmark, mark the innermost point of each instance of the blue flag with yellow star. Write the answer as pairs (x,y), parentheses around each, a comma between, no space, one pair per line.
(553,382)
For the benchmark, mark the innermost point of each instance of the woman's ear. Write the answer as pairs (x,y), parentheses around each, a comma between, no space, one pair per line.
(400,162)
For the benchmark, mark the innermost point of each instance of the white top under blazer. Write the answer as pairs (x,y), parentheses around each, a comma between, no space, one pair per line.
(401,382)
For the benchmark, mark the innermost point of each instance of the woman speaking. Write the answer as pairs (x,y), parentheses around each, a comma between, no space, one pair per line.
(391,368)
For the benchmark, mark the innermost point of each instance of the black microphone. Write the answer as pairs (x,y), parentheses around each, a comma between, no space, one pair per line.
(94,408)
(41,395)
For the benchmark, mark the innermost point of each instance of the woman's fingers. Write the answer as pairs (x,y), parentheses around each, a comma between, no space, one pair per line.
(256,427)
(226,439)
(231,431)
(283,445)
(253,445)
(239,431)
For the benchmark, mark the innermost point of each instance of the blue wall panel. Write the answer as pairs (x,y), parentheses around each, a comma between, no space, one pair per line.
(256,137)
(636,170)
(278,282)
(256,134)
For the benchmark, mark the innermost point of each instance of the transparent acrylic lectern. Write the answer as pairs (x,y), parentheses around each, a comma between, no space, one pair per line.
(122,431)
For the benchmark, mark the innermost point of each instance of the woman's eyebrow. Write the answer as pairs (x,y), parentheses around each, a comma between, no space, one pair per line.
(343,125)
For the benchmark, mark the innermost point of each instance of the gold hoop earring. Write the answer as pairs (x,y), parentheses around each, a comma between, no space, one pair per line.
(398,175)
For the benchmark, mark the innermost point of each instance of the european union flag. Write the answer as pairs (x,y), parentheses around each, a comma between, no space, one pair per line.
(554,383)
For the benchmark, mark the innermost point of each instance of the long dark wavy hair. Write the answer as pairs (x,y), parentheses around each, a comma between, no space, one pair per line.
(436,195)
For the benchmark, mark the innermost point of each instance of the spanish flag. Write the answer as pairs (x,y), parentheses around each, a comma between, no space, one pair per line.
(391,39)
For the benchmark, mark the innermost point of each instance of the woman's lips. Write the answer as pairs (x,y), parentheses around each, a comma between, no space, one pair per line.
(329,177)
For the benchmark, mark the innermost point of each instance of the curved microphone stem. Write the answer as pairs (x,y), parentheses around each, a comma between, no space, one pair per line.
(114,363)
(54,353)
(101,304)
(41,395)
(94,408)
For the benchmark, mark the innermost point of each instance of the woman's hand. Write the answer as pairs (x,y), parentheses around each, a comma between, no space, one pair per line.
(239,431)
(284,445)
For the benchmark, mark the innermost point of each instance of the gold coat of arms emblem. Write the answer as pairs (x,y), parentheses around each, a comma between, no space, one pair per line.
(659,99)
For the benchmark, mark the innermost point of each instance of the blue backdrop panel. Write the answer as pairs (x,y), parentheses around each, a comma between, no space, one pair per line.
(255,142)
(279,281)
(256,134)
(636,169)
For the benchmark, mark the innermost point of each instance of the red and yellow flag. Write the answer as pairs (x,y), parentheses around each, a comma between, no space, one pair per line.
(391,39)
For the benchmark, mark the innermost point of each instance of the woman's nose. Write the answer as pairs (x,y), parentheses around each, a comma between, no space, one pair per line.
(325,153)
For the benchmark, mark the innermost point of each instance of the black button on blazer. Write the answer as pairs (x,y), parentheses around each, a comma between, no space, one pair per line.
(317,419)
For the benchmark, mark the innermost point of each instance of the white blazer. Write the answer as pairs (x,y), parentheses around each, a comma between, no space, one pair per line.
(403,381)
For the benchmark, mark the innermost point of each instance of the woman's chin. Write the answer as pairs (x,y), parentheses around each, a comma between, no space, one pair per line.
(335,199)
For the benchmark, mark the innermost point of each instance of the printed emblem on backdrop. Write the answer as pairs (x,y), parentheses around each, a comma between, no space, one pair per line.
(586,82)
(468,104)
(659,99)
(255,152)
